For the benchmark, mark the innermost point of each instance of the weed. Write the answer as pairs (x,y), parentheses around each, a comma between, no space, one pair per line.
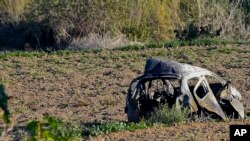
(168,115)
(53,129)
(105,128)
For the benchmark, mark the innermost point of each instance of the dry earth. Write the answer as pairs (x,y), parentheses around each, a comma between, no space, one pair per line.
(90,87)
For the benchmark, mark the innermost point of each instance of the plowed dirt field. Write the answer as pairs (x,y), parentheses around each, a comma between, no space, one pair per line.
(90,87)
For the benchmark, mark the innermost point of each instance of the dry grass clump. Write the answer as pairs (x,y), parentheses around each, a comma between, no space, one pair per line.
(12,10)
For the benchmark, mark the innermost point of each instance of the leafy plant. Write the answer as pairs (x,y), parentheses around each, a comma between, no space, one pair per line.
(53,129)
(105,128)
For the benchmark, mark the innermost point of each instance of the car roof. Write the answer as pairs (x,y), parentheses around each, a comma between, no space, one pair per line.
(156,67)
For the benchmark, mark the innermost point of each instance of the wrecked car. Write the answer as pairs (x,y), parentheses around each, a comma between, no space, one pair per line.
(182,85)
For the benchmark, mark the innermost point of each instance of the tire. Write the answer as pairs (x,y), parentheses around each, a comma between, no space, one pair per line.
(132,112)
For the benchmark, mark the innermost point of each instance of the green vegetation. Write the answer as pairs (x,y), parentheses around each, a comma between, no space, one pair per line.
(4,104)
(53,129)
(168,116)
(56,23)
(179,43)
(206,42)
(105,128)
(163,116)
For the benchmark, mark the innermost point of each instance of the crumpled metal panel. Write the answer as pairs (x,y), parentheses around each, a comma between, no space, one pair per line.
(210,103)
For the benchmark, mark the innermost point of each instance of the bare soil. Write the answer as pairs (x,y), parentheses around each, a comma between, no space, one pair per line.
(90,87)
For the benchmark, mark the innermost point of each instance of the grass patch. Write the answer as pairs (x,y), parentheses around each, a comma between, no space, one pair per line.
(164,115)
(178,43)
(53,129)
(166,44)
(9,54)
(105,128)
(169,116)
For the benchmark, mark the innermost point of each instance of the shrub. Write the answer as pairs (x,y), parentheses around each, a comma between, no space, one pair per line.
(225,18)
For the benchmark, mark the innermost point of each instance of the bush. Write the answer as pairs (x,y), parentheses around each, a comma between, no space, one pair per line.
(194,31)
(225,18)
